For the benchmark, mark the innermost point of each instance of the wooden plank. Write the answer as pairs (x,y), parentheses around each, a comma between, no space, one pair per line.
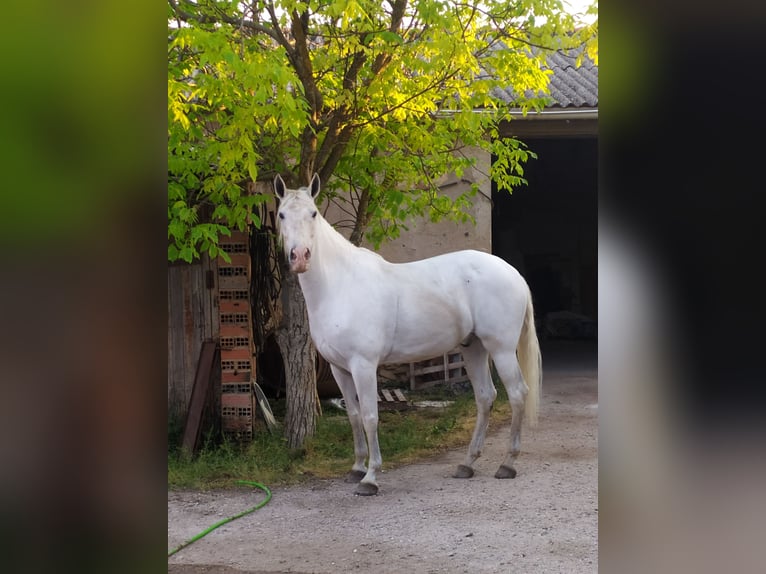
(192,319)
(211,318)
(387,395)
(191,354)
(429,370)
(177,348)
(400,395)
(197,317)
(172,353)
(201,391)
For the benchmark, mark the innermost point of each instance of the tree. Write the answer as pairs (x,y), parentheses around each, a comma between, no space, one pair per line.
(379,98)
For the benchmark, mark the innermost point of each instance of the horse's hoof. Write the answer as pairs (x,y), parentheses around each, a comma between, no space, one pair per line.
(505,472)
(366,489)
(355,476)
(463,471)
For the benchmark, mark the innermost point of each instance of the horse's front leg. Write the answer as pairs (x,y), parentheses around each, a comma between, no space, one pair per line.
(347,389)
(366,382)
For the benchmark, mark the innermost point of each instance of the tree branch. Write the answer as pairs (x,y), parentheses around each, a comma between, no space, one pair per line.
(280,37)
(336,139)
(384,58)
(362,218)
(428,88)
(303,67)
(336,152)
(223,18)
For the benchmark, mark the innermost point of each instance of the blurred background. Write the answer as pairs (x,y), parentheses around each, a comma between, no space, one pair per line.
(681,293)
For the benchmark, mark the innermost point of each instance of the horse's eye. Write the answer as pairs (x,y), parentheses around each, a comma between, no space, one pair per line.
(314,214)
(281,215)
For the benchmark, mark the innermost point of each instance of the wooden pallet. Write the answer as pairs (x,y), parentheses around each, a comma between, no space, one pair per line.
(449,368)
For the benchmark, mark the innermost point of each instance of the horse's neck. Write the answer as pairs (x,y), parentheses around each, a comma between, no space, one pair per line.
(332,257)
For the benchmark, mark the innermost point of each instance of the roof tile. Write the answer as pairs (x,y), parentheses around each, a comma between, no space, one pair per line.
(570,86)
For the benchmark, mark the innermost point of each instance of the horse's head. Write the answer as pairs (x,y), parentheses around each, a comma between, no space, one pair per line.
(297,221)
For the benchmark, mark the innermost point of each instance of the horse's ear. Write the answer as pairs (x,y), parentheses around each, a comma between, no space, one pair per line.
(315,185)
(279,187)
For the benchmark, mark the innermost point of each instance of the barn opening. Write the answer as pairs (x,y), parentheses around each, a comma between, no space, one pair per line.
(548,230)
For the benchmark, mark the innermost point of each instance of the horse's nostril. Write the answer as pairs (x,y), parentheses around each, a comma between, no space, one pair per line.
(308,253)
(293,255)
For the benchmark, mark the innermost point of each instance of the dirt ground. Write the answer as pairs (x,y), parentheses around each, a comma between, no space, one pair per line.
(422,520)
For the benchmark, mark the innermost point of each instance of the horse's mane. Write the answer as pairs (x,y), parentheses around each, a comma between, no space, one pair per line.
(336,238)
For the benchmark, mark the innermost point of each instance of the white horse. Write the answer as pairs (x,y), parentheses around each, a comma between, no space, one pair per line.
(365,311)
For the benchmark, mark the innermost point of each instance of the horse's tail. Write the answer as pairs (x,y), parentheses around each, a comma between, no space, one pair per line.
(530,361)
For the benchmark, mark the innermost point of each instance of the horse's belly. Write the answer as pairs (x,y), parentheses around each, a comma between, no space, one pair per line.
(425,335)
(420,351)
(416,339)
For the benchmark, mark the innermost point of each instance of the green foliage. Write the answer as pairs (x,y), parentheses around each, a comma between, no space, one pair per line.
(384,97)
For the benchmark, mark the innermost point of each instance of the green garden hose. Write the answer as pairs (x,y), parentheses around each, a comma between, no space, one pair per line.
(227,520)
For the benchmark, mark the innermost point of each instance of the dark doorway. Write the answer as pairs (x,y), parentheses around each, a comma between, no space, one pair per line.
(548,230)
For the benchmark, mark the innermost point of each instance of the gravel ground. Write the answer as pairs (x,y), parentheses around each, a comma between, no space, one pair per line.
(422,521)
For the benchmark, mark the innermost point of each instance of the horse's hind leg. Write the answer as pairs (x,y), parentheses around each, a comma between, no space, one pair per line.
(507,366)
(476,361)
(347,389)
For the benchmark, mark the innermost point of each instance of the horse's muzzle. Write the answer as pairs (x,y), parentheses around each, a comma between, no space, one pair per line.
(299,259)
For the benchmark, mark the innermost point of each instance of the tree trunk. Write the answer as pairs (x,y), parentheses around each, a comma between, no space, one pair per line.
(362,218)
(299,356)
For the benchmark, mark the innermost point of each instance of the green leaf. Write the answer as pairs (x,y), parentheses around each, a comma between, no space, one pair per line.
(391,37)
(187,253)
(225,256)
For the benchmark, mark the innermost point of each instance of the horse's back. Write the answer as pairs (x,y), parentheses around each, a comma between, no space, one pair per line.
(444,299)
(477,272)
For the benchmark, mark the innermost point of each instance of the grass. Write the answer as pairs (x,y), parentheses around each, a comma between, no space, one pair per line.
(405,436)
